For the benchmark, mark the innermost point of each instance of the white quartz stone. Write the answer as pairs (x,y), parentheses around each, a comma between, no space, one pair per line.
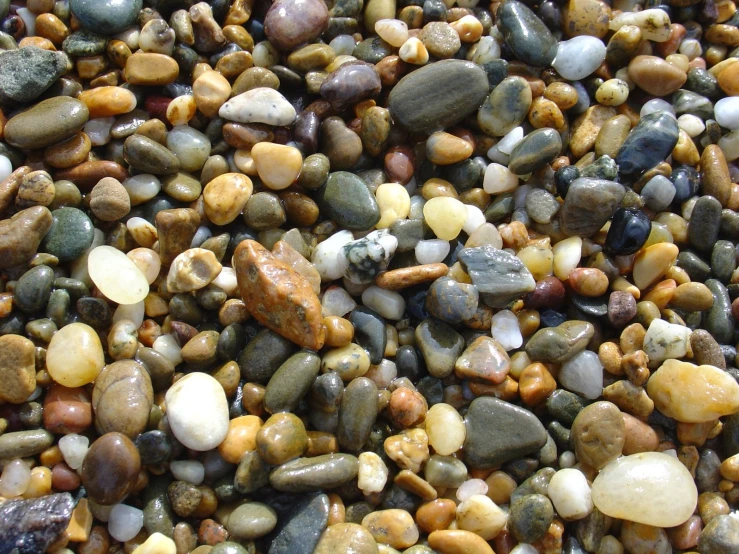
(665,340)
(336,301)
(387,303)
(325,255)
(6,168)
(506,330)
(197,411)
(726,111)
(116,276)
(74,447)
(432,251)
(445,429)
(125,522)
(259,105)
(583,374)
(191,471)
(579,57)
(570,493)
(499,178)
(372,474)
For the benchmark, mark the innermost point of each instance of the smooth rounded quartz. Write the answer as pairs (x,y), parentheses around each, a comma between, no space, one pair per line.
(652,488)
(445,429)
(125,522)
(191,147)
(116,276)
(75,355)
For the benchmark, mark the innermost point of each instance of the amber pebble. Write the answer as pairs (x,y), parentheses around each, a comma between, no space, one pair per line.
(68,153)
(110,468)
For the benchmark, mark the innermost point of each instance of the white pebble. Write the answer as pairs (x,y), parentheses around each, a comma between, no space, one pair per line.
(343,45)
(6,168)
(125,522)
(567,459)
(265,55)
(510,141)
(567,254)
(74,447)
(226,281)
(583,374)
(475,218)
(432,251)
(387,303)
(657,105)
(417,204)
(382,374)
(259,105)
(325,255)
(336,301)
(654,23)
(506,331)
(392,31)
(726,111)
(499,178)
(486,50)
(524,548)
(168,347)
(15,479)
(372,474)
(579,57)
(191,471)
(480,515)
(116,276)
(29,20)
(570,493)
(692,124)
(445,429)
(203,428)
(665,340)
(141,188)
(729,144)
(691,48)
(471,487)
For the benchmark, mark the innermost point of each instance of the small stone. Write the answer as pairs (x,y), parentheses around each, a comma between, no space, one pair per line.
(290,308)
(157,544)
(581,215)
(107,17)
(116,275)
(251,521)
(122,398)
(529,517)
(192,270)
(349,84)
(311,474)
(559,344)
(570,493)
(346,199)
(75,355)
(650,488)
(346,537)
(110,468)
(498,432)
(150,69)
(451,301)
(484,359)
(282,438)
(655,75)
(720,535)
(278,165)
(393,527)
(259,105)
(357,414)
(27,72)
(665,341)
(526,35)
(202,429)
(579,57)
(536,150)
(300,531)
(693,394)
(583,374)
(598,433)
(499,276)
(108,101)
(109,200)
(649,142)
(290,23)
(440,345)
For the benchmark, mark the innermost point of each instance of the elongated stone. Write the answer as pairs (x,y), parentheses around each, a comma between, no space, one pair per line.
(278,297)
(526,35)
(438,95)
(48,122)
(536,150)
(357,414)
(313,474)
(649,143)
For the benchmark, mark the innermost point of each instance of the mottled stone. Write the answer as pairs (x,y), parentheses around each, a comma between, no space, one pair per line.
(588,205)
(650,142)
(31,526)
(499,276)
(26,73)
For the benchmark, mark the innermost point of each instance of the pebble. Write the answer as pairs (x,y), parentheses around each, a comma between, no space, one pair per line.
(259,105)
(583,374)
(75,355)
(598,434)
(70,234)
(578,57)
(719,535)
(108,17)
(32,525)
(116,275)
(656,476)
(526,35)
(393,527)
(110,468)
(188,426)
(705,392)
(251,520)
(349,202)
(344,537)
(570,493)
(122,398)
(312,474)
(21,235)
(27,73)
(660,131)
(581,214)
(289,23)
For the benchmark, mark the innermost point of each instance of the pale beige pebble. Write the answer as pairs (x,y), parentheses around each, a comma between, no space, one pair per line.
(392,31)
(156,544)
(538,260)
(244,162)
(480,515)
(409,449)
(348,362)
(211,90)
(372,474)
(652,263)
(638,538)
(394,203)
(468,27)
(225,196)
(278,165)
(75,355)
(613,92)
(650,487)
(181,110)
(192,270)
(143,232)
(287,254)
(446,216)
(109,200)
(445,429)
(693,394)
(393,527)
(498,178)
(414,52)
(730,468)
(486,234)
(116,276)
(567,254)
(654,23)
(147,261)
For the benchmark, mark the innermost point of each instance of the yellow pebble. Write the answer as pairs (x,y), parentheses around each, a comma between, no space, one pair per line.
(651,263)
(413,51)
(445,216)
(156,544)
(80,523)
(181,110)
(394,203)
(278,165)
(613,92)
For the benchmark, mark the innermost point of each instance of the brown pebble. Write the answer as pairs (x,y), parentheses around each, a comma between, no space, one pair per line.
(398,279)
(110,468)
(598,434)
(109,200)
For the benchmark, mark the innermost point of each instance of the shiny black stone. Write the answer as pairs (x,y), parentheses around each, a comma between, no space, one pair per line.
(563,177)
(648,144)
(369,331)
(628,233)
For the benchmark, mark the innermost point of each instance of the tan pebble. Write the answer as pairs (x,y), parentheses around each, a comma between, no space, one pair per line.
(346,537)
(661,293)
(225,196)
(598,434)
(211,90)
(181,110)
(610,355)
(728,77)
(535,384)
(75,355)
(192,270)
(277,165)
(458,541)
(694,434)
(730,468)
(393,527)
(436,515)
(398,279)
(630,398)
(407,407)
(562,94)
(348,362)
(685,151)
(36,189)
(585,129)
(640,437)
(651,263)
(414,52)
(108,101)
(611,135)
(339,331)
(545,113)
(655,76)
(68,153)
(692,297)
(109,200)
(409,481)
(588,281)
(480,515)
(635,367)
(17,368)
(80,524)
(51,27)
(715,177)
(445,149)
(500,487)
(150,69)
(409,449)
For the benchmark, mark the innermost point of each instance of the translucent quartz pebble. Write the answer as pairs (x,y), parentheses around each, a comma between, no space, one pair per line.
(651,488)
(125,522)
(116,276)
(14,479)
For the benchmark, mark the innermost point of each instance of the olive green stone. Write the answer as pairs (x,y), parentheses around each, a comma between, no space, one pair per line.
(315,171)
(316,473)
(70,235)
(251,474)
(251,521)
(34,288)
(264,211)
(440,346)
(347,200)
(158,514)
(718,320)
(530,517)
(291,382)
(148,156)
(506,107)
(357,414)
(559,344)
(536,150)
(46,123)
(24,444)
(723,260)
(84,43)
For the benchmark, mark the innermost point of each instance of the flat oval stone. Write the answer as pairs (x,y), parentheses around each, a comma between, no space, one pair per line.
(106,17)
(33,289)
(259,105)
(498,432)
(299,532)
(290,23)
(347,200)
(693,394)
(559,344)
(75,355)
(349,84)
(46,123)
(278,296)
(650,142)
(148,156)
(579,57)
(525,34)
(117,276)
(122,398)
(650,488)
(291,382)
(206,427)
(311,474)
(598,434)
(536,150)
(588,205)
(438,95)
(357,414)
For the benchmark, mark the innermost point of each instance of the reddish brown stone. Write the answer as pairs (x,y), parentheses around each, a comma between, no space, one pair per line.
(88,174)
(110,468)
(67,410)
(278,297)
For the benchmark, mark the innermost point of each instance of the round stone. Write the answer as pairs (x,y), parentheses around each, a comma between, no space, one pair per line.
(117,276)
(107,17)
(70,234)
(110,468)
(75,355)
